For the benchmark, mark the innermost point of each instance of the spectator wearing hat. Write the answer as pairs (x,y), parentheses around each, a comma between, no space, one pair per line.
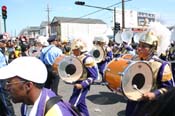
(48,56)
(4,96)
(26,85)
(40,43)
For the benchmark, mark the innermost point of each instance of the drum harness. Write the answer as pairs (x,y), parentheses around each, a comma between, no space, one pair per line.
(54,100)
(45,55)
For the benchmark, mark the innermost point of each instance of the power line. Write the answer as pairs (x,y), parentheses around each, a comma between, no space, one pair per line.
(99,10)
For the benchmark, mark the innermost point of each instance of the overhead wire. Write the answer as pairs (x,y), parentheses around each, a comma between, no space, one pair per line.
(98,11)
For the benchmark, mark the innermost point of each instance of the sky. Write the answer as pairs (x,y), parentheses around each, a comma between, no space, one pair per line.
(25,13)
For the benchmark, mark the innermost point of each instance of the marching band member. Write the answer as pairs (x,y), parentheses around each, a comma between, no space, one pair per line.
(81,87)
(151,44)
(124,46)
(102,41)
(171,52)
(66,48)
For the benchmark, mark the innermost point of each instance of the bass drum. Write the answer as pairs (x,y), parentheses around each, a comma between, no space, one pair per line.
(69,69)
(127,56)
(123,75)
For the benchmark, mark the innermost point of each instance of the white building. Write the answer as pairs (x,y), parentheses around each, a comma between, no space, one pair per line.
(44,29)
(66,27)
(135,19)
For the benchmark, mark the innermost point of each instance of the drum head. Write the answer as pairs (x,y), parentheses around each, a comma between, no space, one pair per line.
(139,74)
(70,69)
(98,53)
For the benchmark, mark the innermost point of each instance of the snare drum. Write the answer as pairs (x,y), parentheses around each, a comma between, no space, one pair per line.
(121,74)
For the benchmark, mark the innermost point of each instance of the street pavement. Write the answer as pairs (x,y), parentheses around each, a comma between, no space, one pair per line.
(100,100)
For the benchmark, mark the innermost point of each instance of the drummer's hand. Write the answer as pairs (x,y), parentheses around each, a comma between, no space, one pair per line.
(103,59)
(149,96)
(78,86)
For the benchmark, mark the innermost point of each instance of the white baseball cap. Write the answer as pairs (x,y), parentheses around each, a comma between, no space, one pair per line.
(28,68)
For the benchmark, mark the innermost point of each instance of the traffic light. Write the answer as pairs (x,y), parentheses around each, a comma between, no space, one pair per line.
(79,3)
(4,12)
(117,27)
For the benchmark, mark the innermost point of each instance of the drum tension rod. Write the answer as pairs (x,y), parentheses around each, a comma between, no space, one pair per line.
(121,73)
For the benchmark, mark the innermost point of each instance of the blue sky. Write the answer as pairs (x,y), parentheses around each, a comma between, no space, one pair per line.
(23,13)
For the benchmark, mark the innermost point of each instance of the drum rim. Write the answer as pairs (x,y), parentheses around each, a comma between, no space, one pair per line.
(69,57)
(97,60)
(127,69)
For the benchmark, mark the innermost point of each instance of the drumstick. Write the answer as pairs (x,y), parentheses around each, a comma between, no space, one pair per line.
(135,87)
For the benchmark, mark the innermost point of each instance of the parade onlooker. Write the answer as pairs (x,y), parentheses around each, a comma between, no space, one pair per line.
(25,80)
(4,95)
(48,56)
(25,49)
(11,50)
(81,87)
(17,51)
(39,44)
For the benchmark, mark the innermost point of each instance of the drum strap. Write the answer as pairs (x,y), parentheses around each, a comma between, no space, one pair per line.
(85,58)
(46,53)
(160,73)
(54,100)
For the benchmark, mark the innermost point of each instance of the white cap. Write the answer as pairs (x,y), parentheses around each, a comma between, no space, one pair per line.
(43,40)
(28,68)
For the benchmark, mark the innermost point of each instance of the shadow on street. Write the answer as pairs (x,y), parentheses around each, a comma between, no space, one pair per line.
(121,113)
(105,98)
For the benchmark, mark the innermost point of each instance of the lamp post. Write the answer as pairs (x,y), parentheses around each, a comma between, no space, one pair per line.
(83,4)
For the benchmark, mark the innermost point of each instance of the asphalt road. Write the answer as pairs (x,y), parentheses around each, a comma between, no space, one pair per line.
(100,100)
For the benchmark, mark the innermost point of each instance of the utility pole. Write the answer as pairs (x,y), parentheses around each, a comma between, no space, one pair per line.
(48,18)
(123,15)
(114,31)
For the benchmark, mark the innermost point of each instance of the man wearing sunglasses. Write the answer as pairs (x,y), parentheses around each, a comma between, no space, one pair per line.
(25,82)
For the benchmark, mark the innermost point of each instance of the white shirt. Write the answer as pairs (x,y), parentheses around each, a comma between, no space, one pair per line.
(35,106)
